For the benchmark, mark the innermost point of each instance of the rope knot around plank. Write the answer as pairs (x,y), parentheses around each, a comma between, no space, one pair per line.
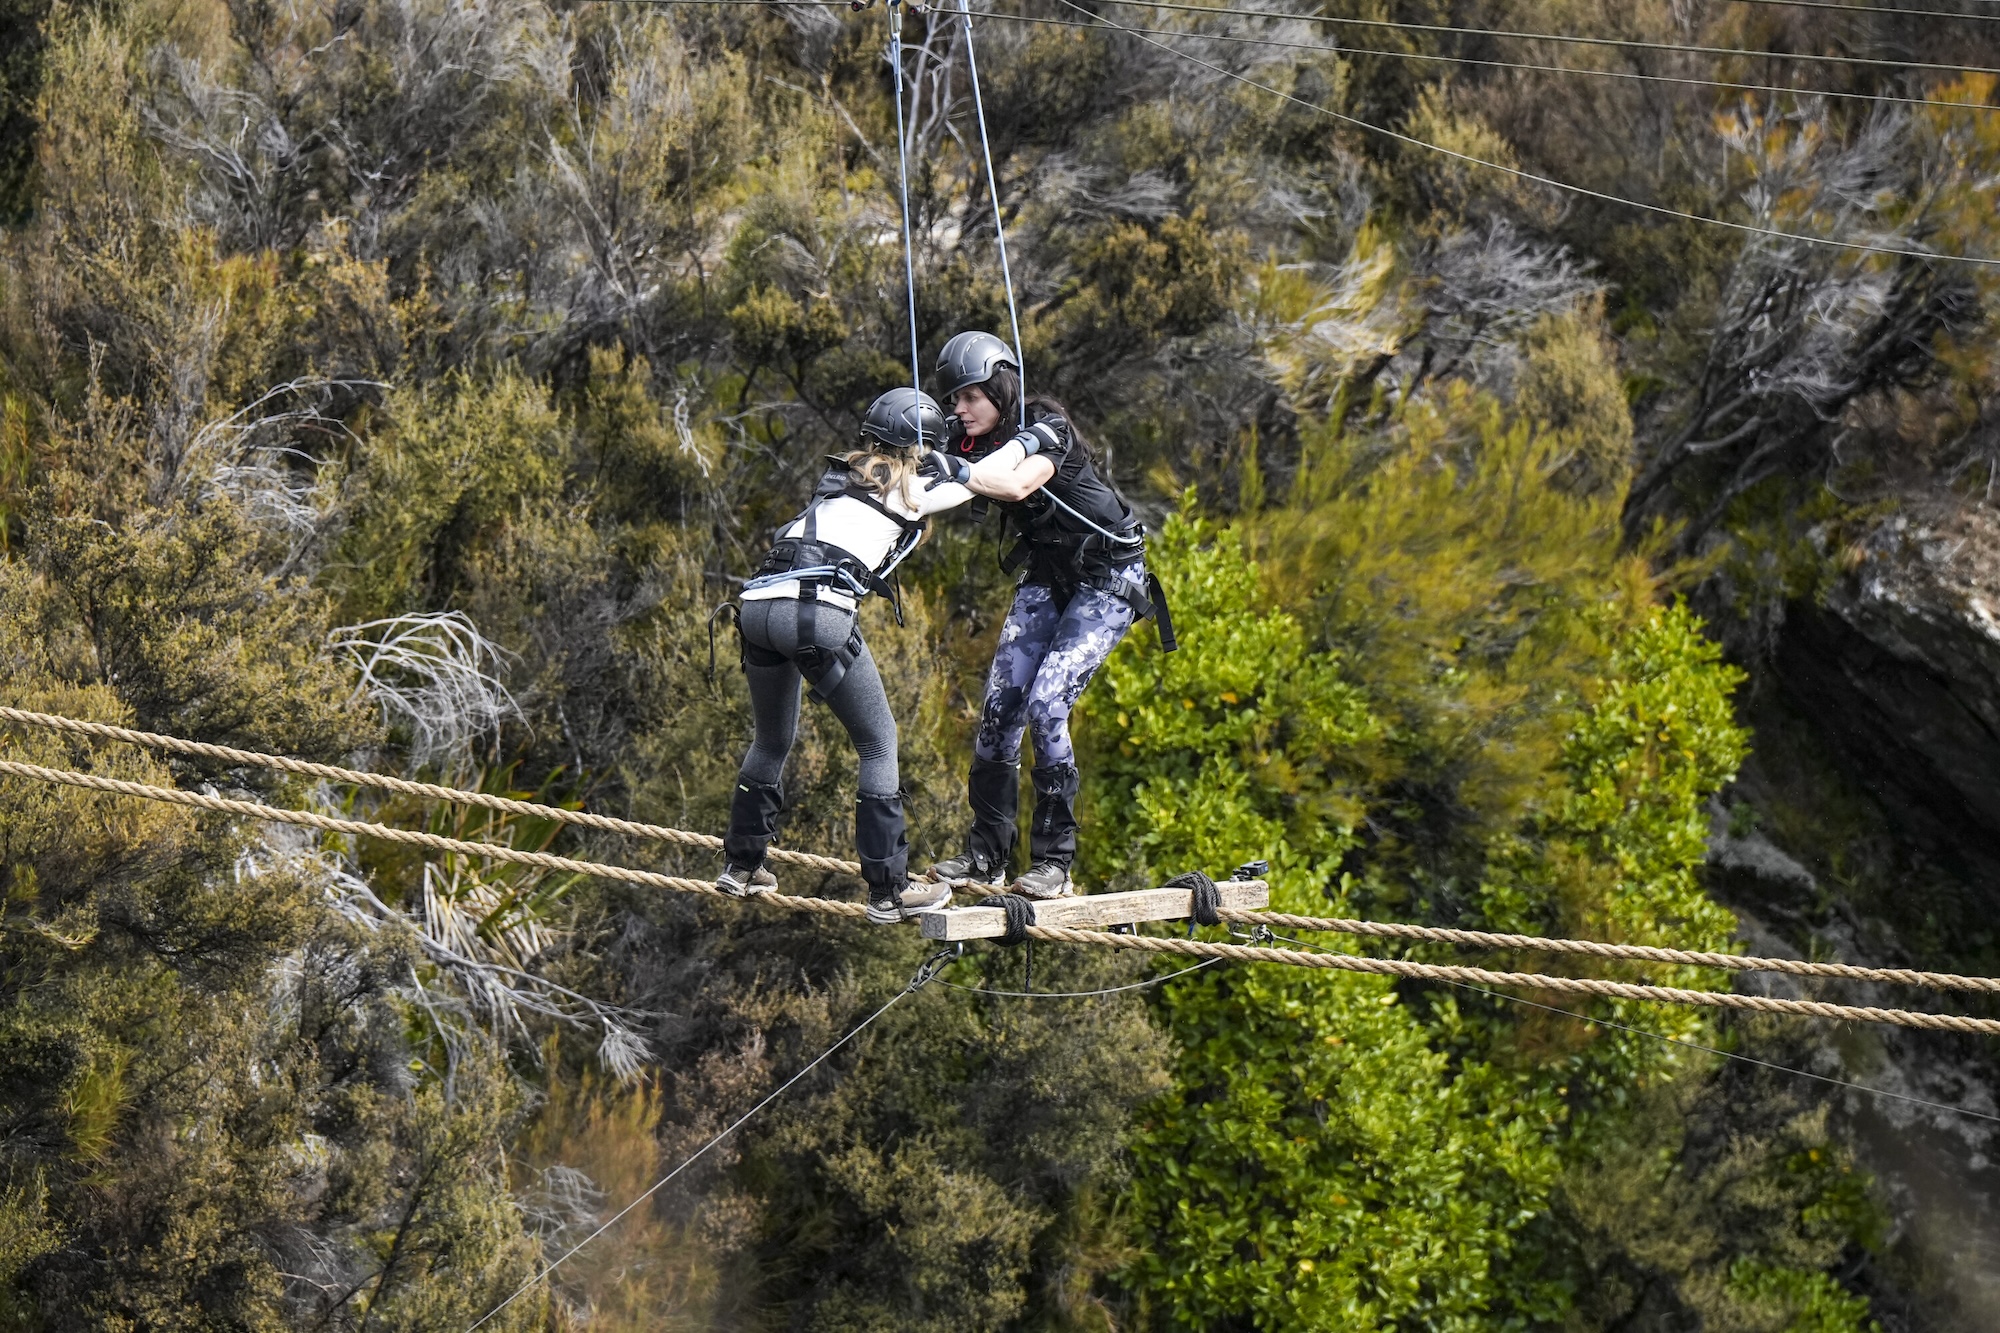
(1020,915)
(1207,898)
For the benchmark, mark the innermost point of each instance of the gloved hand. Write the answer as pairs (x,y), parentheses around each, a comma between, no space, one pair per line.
(952,469)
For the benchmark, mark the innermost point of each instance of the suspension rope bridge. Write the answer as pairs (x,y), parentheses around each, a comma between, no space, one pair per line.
(1181,909)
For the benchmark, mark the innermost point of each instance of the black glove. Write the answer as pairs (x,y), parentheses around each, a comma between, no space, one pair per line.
(951,469)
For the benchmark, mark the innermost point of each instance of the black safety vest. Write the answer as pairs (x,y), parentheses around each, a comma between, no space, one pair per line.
(807,551)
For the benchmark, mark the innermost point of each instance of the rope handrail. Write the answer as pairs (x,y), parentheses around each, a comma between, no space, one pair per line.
(431,791)
(1103,939)
(1475,939)
(410,837)
(1480,939)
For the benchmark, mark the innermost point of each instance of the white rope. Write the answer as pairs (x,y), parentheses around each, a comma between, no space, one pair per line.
(999,227)
(894,15)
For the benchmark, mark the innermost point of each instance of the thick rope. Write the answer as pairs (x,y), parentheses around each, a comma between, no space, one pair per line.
(1479,939)
(429,791)
(1106,939)
(894,14)
(409,837)
(1475,939)
(1394,967)
(993,190)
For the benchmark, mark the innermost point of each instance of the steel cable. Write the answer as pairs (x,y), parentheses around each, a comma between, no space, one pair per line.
(1583,191)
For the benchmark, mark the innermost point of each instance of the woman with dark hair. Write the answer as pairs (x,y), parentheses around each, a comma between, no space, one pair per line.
(1083,584)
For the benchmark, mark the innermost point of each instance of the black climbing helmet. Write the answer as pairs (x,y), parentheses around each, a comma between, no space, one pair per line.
(971,358)
(903,419)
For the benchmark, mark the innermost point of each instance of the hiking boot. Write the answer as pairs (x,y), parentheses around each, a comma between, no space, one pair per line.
(1047,879)
(887,906)
(968,870)
(740,883)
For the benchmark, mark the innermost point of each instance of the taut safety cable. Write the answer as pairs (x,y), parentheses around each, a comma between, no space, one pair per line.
(1583,191)
(1341,49)
(1104,939)
(429,791)
(1475,939)
(893,13)
(924,976)
(993,190)
(1623,43)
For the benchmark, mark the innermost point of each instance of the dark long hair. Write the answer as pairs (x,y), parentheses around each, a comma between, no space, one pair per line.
(1003,390)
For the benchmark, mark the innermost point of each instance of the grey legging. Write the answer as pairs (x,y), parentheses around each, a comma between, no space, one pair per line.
(858,701)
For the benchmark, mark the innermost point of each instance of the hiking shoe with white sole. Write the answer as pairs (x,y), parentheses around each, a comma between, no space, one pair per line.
(967,871)
(1047,879)
(887,907)
(740,883)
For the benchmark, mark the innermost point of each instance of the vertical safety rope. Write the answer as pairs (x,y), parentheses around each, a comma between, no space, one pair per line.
(993,190)
(894,13)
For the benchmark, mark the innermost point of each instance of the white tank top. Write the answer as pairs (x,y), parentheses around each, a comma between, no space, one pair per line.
(860,530)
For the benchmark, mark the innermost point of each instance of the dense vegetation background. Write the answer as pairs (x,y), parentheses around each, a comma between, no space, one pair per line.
(402,381)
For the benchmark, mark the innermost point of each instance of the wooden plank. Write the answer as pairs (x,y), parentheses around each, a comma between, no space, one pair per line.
(1093,910)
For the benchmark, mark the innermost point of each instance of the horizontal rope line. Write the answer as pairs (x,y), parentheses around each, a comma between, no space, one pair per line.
(409,837)
(430,791)
(1336,48)
(1395,967)
(1480,939)
(1104,939)
(1343,925)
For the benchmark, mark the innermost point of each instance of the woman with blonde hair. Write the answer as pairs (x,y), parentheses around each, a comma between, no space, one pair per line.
(798,621)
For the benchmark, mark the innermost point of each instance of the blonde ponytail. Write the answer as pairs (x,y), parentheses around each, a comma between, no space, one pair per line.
(881,472)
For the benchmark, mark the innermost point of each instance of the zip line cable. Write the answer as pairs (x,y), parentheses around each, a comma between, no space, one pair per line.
(1893,99)
(1582,191)
(1104,939)
(1733,1055)
(894,15)
(1635,75)
(993,189)
(1471,939)
(924,976)
(1626,43)
(1520,174)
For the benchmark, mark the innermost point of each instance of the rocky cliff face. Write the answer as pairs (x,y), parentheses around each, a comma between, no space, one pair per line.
(1866,827)
(1900,670)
